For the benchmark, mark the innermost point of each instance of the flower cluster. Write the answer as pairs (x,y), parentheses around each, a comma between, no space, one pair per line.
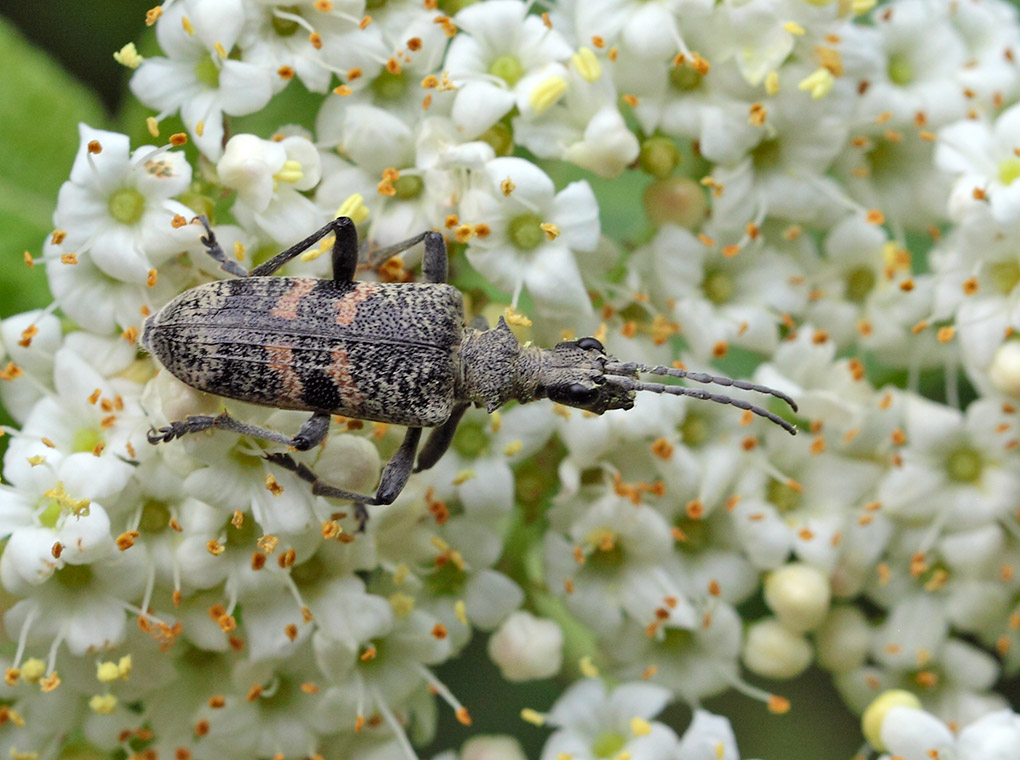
(820,194)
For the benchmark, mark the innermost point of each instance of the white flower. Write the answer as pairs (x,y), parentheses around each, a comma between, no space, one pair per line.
(532,234)
(293,36)
(708,737)
(489,61)
(116,208)
(269,176)
(594,722)
(981,159)
(198,78)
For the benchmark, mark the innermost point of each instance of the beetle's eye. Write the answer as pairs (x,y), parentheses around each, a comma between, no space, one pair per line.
(574,394)
(588,343)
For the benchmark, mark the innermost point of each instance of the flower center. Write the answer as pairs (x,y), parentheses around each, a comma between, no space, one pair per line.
(696,535)
(470,440)
(155,517)
(676,640)
(684,78)
(49,516)
(859,283)
(74,577)
(446,580)
(308,572)
(608,744)
(900,71)
(608,554)
(525,232)
(86,439)
(507,68)
(718,287)
(500,137)
(408,187)
(784,496)
(1005,275)
(964,465)
(127,205)
(208,73)
(694,430)
(1009,170)
(767,154)
(285,27)
(390,86)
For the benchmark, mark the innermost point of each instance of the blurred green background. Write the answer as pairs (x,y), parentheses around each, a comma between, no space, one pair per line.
(58,70)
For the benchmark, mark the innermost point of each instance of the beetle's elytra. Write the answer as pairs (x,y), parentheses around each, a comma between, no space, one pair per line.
(387,352)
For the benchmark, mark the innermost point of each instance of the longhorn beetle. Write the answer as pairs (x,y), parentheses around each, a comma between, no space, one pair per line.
(388,352)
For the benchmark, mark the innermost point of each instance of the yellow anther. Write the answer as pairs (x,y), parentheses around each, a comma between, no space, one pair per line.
(124,666)
(819,83)
(534,717)
(220,50)
(290,172)
(512,448)
(77,507)
(460,610)
(587,667)
(463,477)
(107,672)
(103,704)
(547,92)
(32,669)
(587,64)
(793,28)
(401,604)
(354,208)
(128,56)
(551,230)
(640,726)
(772,83)
(860,7)
(187,25)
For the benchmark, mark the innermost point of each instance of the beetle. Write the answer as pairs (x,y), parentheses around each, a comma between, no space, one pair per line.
(398,353)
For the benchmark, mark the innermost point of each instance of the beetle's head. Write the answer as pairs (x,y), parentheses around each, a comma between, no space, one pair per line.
(574,374)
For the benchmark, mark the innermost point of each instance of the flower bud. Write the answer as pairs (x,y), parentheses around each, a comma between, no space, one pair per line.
(799,595)
(526,647)
(774,651)
(492,748)
(1004,371)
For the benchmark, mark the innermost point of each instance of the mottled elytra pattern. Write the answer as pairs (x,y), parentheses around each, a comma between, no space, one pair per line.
(375,351)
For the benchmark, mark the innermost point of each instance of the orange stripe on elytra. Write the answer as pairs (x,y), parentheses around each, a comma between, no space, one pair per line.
(281,361)
(347,306)
(287,305)
(339,372)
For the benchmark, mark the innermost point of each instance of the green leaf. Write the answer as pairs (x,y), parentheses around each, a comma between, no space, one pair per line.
(42,105)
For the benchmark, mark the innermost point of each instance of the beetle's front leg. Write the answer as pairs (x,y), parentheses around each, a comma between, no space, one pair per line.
(311,434)
(394,477)
(439,439)
(212,247)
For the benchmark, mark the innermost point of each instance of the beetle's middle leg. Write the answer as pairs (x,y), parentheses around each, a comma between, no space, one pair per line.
(394,476)
(311,433)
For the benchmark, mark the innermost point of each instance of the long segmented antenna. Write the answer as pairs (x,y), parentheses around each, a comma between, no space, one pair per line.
(680,390)
(698,377)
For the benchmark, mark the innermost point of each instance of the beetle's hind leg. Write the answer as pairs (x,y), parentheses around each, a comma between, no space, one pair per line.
(394,477)
(311,433)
